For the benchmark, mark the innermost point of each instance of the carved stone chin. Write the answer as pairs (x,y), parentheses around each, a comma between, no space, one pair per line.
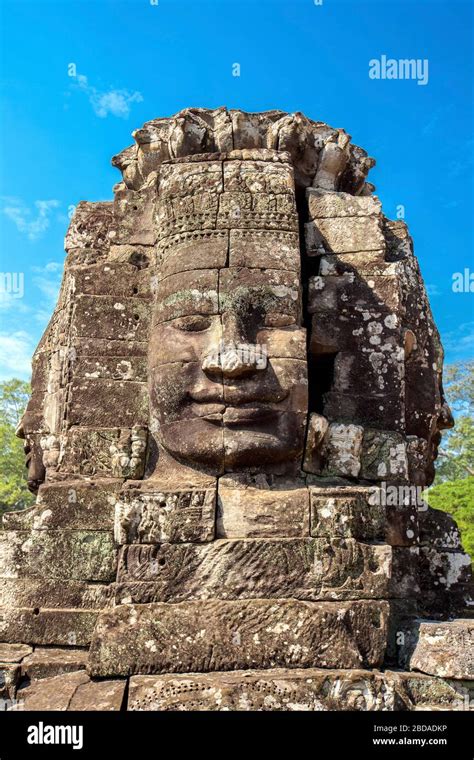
(234,408)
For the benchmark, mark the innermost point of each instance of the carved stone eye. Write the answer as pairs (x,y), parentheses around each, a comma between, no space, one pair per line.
(192,324)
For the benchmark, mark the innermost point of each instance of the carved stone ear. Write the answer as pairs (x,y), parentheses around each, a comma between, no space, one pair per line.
(409,342)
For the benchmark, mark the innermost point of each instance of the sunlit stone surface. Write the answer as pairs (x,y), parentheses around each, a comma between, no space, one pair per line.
(235,400)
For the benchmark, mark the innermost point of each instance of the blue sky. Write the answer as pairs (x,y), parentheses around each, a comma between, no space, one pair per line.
(138,60)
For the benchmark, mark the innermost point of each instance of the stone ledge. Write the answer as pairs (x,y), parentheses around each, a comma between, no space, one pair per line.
(46,662)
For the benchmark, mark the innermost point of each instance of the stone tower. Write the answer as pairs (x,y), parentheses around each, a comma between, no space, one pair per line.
(234,407)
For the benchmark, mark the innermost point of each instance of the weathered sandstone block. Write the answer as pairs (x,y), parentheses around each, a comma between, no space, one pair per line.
(72,691)
(444,649)
(309,569)
(322,205)
(308,689)
(346,513)
(149,517)
(62,554)
(216,635)
(262,513)
(102,453)
(47,592)
(73,505)
(47,662)
(344,235)
(58,627)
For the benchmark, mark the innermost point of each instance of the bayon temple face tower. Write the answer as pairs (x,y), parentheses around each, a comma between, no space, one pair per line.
(235,405)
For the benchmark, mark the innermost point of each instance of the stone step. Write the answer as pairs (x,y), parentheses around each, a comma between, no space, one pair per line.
(11,657)
(230,635)
(14,652)
(46,662)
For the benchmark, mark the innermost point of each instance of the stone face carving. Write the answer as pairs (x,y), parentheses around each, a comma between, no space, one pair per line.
(241,365)
(226,389)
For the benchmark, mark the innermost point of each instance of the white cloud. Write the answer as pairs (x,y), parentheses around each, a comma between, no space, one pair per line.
(11,302)
(460,166)
(48,280)
(112,101)
(460,342)
(12,291)
(16,350)
(33,226)
(438,120)
(52,266)
(432,290)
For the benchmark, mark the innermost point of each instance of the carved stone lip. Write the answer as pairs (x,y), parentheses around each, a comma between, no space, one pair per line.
(202,409)
(233,416)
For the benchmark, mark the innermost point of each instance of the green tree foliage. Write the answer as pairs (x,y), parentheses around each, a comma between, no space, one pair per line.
(457,498)
(14,492)
(456,453)
(453,489)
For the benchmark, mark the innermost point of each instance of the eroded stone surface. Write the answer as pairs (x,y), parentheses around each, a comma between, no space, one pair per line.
(14,652)
(308,689)
(61,554)
(152,517)
(271,690)
(241,363)
(46,627)
(217,635)
(347,513)
(47,662)
(9,679)
(309,569)
(72,691)
(249,512)
(444,649)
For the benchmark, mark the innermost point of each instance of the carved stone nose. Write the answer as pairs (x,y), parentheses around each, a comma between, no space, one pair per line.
(445,419)
(235,360)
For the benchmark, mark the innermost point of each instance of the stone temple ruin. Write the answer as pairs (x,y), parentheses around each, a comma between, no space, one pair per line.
(234,406)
